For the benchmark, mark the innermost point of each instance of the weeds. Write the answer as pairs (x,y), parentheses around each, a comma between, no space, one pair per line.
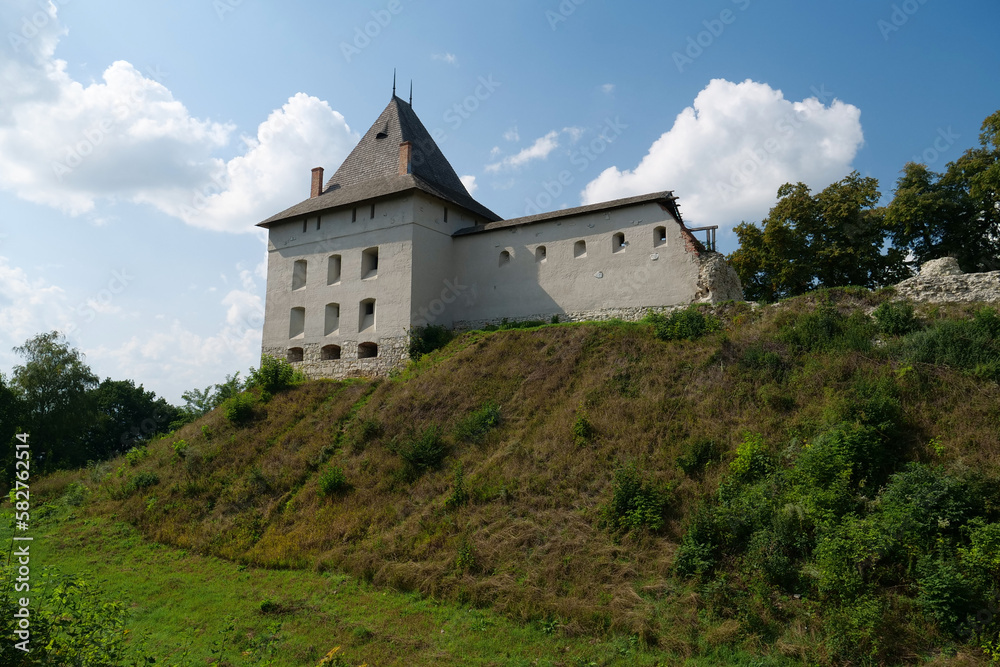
(475,426)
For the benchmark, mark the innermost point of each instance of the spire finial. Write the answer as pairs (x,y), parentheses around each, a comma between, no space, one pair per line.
(393,81)
(411,92)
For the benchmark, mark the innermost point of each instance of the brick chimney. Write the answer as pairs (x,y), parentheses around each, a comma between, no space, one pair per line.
(405,155)
(317,182)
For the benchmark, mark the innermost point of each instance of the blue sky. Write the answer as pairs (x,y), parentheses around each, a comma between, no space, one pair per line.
(141,142)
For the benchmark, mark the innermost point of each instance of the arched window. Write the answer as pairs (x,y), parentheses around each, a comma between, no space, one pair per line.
(299,274)
(540,253)
(295,354)
(332,319)
(333,270)
(580,249)
(366,318)
(367,351)
(330,353)
(660,236)
(618,242)
(504,257)
(297,323)
(369,263)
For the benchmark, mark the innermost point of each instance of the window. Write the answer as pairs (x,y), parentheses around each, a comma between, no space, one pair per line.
(297,323)
(305,221)
(330,353)
(373,211)
(299,274)
(540,253)
(504,257)
(295,354)
(660,236)
(580,249)
(367,351)
(354,215)
(333,270)
(319,222)
(369,263)
(618,242)
(332,319)
(366,318)
(446,214)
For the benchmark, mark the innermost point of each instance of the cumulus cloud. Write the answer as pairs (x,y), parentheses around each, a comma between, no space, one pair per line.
(470,184)
(539,150)
(28,306)
(69,145)
(608,88)
(512,134)
(727,154)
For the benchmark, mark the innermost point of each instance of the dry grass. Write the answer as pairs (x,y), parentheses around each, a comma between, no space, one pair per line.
(528,542)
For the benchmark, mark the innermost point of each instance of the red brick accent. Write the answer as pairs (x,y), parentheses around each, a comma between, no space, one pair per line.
(317,182)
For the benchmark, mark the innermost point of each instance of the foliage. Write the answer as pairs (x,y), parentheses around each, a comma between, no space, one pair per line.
(582,429)
(687,324)
(459,493)
(424,340)
(831,239)
(894,318)
(422,451)
(635,503)
(333,481)
(971,345)
(241,409)
(72,622)
(273,376)
(475,426)
(507,325)
(696,455)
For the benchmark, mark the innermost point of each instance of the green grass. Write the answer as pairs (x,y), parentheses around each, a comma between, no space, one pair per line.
(484,476)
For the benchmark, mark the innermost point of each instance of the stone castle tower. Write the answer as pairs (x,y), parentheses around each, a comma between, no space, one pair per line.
(393,241)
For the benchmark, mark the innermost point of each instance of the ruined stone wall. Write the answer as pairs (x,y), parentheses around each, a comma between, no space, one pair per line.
(941,281)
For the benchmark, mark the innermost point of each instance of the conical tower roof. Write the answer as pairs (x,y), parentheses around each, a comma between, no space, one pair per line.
(372,169)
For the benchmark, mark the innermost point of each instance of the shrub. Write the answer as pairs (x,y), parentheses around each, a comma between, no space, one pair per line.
(136,454)
(696,553)
(969,345)
(752,460)
(424,340)
(424,451)
(697,455)
(826,329)
(946,594)
(582,430)
(273,376)
(689,324)
(459,494)
(333,481)
(477,424)
(180,450)
(240,409)
(894,318)
(635,503)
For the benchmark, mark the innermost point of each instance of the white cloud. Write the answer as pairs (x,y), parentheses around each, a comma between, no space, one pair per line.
(69,145)
(726,155)
(539,150)
(608,88)
(27,306)
(449,58)
(470,184)
(574,133)
(494,152)
(512,134)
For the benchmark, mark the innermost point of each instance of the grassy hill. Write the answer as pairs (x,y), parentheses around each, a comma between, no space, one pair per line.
(810,482)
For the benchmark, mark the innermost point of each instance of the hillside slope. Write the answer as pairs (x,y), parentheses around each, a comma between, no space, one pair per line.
(742,488)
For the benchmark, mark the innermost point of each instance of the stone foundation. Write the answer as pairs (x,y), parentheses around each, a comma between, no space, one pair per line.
(950,288)
(392,353)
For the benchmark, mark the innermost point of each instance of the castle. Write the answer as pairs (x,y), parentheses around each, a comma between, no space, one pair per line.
(394,241)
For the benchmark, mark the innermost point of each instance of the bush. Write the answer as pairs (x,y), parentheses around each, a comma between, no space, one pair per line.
(894,318)
(477,424)
(240,410)
(969,345)
(689,324)
(752,460)
(459,494)
(826,329)
(424,451)
(273,376)
(634,504)
(333,481)
(424,340)
(696,456)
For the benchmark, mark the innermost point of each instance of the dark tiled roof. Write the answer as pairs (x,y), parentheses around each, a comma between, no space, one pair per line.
(665,198)
(372,169)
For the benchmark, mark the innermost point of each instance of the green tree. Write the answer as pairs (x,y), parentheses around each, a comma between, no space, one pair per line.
(127,415)
(198,402)
(834,238)
(10,425)
(54,386)
(955,213)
